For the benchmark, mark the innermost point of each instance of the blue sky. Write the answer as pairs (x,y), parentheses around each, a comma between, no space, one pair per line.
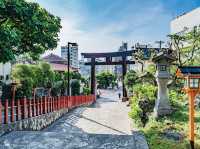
(101,25)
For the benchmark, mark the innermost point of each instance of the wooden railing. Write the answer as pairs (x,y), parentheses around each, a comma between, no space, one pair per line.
(11,111)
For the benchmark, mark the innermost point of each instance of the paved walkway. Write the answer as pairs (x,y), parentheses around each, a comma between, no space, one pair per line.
(104,125)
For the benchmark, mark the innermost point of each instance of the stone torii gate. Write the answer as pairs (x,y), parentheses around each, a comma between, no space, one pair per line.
(109,61)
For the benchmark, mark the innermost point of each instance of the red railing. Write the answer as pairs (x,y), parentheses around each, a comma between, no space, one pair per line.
(11,111)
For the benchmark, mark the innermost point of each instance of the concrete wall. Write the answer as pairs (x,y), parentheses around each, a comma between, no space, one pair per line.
(34,123)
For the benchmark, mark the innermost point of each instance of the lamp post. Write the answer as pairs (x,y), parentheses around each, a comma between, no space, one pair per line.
(191,76)
(68,65)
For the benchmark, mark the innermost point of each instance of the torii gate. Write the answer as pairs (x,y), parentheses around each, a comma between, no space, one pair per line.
(109,61)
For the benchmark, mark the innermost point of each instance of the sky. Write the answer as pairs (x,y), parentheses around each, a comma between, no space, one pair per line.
(102,25)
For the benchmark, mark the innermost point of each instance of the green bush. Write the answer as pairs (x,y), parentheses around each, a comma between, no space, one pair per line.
(75,87)
(145,91)
(86,91)
(142,103)
(175,97)
(136,111)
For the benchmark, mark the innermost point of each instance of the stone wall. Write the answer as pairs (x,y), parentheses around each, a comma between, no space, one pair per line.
(34,123)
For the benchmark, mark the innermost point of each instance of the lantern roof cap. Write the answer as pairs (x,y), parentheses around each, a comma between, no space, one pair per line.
(164,55)
(188,70)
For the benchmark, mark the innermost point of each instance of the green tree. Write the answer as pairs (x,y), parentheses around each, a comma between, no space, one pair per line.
(25,27)
(24,77)
(75,87)
(105,79)
(187,47)
(131,79)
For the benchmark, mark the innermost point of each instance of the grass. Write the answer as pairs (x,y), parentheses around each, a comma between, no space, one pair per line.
(177,122)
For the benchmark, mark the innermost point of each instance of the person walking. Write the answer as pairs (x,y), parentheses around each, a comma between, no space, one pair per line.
(119,94)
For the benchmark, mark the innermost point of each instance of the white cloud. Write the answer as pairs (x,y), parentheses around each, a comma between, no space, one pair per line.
(106,36)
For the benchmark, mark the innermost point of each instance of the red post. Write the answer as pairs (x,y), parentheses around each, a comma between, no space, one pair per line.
(82,100)
(58,102)
(18,110)
(6,112)
(0,112)
(34,107)
(24,108)
(41,108)
(29,108)
(38,109)
(12,110)
(45,105)
(53,104)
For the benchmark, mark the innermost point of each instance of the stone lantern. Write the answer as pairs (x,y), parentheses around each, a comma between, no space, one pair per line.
(163,61)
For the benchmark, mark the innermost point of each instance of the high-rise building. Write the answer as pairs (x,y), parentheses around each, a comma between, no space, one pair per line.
(84,69)
(185,22)
(5,71)
(73,55)
(118,68)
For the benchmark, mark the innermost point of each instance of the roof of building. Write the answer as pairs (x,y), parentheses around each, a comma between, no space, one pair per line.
(54,58)
(163,55)
(186,70)
(61,67)
(186,13)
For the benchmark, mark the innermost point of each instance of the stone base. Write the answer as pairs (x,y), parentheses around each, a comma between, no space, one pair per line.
(124,99)
(160,112)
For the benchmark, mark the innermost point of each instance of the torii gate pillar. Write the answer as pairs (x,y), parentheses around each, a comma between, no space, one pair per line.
(93,82)
(124,70)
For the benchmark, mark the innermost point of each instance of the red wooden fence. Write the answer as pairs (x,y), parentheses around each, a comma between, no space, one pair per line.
(25,108)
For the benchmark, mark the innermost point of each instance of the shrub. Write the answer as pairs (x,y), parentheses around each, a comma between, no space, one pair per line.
(86,91)
(175,97)
(142,103)
(75,87)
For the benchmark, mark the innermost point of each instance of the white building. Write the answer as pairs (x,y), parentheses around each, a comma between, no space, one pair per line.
(84,70)
(5,71)
(185,22)
(73,55)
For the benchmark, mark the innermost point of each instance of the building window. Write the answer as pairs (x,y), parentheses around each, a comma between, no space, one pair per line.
(1,77)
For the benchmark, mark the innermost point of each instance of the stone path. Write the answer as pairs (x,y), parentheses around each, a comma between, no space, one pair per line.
(104,125)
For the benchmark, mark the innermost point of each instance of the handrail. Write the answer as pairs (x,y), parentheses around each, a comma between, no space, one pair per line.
(12,111)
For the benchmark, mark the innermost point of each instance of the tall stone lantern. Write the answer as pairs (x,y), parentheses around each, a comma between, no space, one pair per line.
(163,61)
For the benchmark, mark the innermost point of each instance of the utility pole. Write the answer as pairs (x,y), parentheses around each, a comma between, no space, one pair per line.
(160,42)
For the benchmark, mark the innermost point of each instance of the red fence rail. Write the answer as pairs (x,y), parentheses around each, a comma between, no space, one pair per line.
(12,111)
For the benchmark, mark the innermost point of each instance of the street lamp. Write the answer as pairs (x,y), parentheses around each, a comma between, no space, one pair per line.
(68,65)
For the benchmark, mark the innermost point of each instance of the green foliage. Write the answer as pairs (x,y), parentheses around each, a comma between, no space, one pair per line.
(105,79)
(145,91)
(75,87)
(25,27)
(6,91)
(86,91)
(175,97)
(32,76)
(187,47)
(178,122)
(142,103)
(136,111)
(24,76)
(131,79)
